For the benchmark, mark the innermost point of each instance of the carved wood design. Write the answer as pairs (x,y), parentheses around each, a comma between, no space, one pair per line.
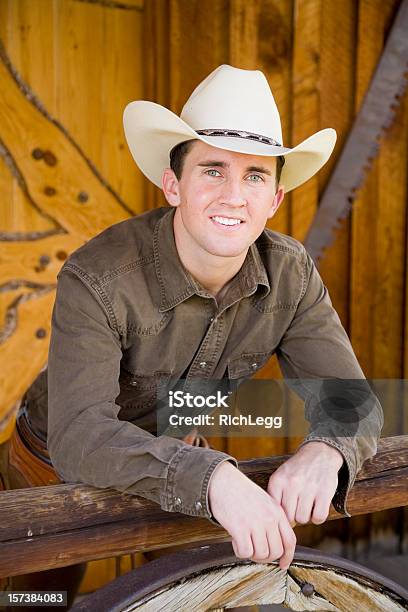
(63,185)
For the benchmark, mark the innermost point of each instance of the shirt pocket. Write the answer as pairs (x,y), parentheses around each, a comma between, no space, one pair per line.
(139,392)
(247,364)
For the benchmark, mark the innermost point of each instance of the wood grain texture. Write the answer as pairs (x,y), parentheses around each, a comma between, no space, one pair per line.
(33,315)
(305,103)
(21,259)
(199,32)
(367,280)
(336,88)
(121,81)
(21,30)
(156,40)
(344,593)
(126,5)
(219,589)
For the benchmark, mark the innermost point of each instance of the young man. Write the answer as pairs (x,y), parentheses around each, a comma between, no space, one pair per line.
(200,289)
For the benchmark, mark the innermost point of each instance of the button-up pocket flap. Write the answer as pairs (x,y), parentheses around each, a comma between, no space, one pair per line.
(247,364)
(142,381)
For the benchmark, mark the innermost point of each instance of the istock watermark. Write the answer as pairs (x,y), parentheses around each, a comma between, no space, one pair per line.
(216,407)
(284,408)
(179,399)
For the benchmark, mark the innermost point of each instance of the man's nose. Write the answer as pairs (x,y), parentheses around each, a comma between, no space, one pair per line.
(233,193)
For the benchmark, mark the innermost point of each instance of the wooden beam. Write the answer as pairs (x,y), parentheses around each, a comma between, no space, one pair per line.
(307,28)
(55,526)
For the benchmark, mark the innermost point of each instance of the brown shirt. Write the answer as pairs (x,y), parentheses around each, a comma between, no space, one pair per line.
(128,316)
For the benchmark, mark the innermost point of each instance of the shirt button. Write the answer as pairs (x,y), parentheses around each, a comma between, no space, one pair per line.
(254,366)
(198,506)
(133,382)
(177,503)
(203,364)
(211,319)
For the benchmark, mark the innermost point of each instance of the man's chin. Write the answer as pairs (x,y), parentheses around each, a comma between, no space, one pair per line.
(227,250)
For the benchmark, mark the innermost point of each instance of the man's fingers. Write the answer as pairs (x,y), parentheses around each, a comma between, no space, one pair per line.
(276,549)
(275,489)
(288,539)
(289,504)
(320,509)
(243,548)
(261,546)
(304,509)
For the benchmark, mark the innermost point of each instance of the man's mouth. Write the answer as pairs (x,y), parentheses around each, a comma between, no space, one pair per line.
(227,221)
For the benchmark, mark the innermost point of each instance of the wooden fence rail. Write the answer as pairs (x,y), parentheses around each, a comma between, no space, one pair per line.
(55,526)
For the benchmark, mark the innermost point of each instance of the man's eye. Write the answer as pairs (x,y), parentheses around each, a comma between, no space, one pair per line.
(212,170)
(257,177)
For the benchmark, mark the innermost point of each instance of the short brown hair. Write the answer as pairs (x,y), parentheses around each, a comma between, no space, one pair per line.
(178,153)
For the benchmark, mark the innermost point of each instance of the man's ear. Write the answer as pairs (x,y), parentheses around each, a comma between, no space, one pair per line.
(277,201)
(170,186)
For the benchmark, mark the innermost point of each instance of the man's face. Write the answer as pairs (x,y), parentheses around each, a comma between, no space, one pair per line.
(223,199)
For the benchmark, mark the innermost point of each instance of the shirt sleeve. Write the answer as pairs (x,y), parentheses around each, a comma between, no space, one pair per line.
(86,440)
(319,364)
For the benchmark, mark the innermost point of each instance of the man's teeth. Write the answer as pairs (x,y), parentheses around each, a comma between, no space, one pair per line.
(226,221)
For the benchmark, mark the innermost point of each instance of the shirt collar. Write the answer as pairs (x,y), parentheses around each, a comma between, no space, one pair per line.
(177,284)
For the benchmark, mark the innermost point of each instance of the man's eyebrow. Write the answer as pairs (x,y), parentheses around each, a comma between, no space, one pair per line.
(221,164)
(260,169)
(210,162)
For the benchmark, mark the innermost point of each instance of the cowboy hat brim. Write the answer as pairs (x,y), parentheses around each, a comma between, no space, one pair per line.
(152,130)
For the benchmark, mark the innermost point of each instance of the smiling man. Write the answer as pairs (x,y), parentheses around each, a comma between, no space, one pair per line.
(200,289)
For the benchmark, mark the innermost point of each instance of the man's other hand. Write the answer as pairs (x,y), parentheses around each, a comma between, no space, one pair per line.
(305,484)
(257,524)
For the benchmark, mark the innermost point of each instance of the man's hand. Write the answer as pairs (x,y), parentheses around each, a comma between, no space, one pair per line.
(259,528)
(305,484)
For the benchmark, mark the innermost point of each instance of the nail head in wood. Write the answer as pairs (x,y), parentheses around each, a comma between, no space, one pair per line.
(44,260)
(37,153)
(83,197)
(50,191)
(50,158)
(308,589)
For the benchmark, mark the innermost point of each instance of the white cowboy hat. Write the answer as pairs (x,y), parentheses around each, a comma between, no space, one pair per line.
(231,109)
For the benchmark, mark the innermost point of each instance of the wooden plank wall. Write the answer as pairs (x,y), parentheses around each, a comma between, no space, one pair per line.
(85,60)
